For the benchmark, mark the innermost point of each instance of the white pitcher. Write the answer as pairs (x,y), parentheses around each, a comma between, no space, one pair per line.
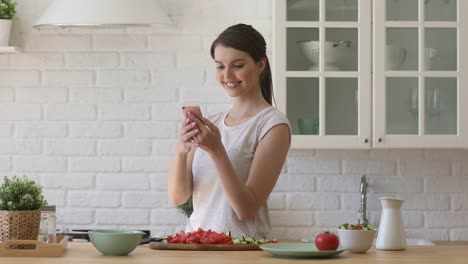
(391,234)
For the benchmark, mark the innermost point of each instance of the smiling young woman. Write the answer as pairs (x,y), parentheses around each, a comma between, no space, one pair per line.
(231,161)
(237,72)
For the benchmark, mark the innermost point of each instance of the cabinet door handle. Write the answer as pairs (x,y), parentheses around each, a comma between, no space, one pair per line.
(366,140)
(380,140)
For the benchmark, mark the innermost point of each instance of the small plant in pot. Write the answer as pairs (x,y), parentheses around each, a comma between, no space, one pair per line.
(187,207)
(7,12)
(20,201)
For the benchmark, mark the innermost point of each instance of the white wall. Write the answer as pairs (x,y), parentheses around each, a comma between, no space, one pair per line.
(93,115)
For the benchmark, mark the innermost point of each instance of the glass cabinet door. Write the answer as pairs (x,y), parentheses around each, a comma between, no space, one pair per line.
(418,80)
(322,71)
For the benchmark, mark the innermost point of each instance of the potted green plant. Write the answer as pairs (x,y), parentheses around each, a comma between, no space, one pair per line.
(20,201)
(187,207)
(7,12)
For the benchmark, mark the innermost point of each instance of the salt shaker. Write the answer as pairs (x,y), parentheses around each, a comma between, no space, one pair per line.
(48,226)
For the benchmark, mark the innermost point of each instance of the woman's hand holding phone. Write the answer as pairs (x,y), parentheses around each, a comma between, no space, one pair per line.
(207,136)
(189,128)
(199,132)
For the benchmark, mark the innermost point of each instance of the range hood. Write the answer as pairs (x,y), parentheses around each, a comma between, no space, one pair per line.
(102,14)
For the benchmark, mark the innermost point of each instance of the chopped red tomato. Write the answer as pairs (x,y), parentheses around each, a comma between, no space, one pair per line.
(200,237)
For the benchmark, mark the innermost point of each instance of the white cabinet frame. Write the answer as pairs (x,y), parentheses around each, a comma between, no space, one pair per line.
(363,139)
(380,138)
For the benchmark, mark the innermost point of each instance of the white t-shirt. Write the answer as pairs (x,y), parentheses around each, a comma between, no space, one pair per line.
(212,209)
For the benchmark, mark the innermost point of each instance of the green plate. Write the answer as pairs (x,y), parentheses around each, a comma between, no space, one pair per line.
(298,250)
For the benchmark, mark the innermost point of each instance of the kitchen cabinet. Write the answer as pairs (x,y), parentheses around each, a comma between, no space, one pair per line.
(420,69)
(390,74)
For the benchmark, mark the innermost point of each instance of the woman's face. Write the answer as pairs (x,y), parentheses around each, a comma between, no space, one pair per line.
(237,72)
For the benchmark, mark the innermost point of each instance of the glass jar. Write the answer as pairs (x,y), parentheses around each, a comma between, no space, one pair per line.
(48,226)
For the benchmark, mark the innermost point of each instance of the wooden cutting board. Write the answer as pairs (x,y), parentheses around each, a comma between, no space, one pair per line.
(210,247)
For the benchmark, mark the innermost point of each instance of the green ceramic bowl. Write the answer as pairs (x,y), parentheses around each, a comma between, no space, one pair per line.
(115,242)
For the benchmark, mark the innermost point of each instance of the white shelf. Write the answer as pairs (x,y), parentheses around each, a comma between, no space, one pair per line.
(9,49)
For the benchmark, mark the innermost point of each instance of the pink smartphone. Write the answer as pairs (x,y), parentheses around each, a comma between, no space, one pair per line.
(194,109)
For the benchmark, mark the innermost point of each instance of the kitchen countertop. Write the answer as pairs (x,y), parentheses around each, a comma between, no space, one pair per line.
(82,252)
(456,242)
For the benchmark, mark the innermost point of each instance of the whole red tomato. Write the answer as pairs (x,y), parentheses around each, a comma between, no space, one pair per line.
(327,241)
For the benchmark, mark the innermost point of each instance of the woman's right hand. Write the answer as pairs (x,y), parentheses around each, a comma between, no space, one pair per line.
(188,129)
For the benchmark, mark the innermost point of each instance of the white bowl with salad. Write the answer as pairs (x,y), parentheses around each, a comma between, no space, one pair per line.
(356,238)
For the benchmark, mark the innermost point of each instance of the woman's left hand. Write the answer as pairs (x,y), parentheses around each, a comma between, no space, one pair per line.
(208,137)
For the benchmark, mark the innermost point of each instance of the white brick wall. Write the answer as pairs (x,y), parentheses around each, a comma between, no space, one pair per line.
(119,42)
(19,111)
(37,61)
(94,199)
(117,147)
(6,129)
(95,130)
(127,216)
(56,43)
(5,163)
(95,95)
(94,164)
(120,112)
(124,182)
(84,60)
(67,78)
(70,112)
(75,147)
(112,78)
(41,95)
(70,181)
(93,116)
(19,78)
(20,146)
